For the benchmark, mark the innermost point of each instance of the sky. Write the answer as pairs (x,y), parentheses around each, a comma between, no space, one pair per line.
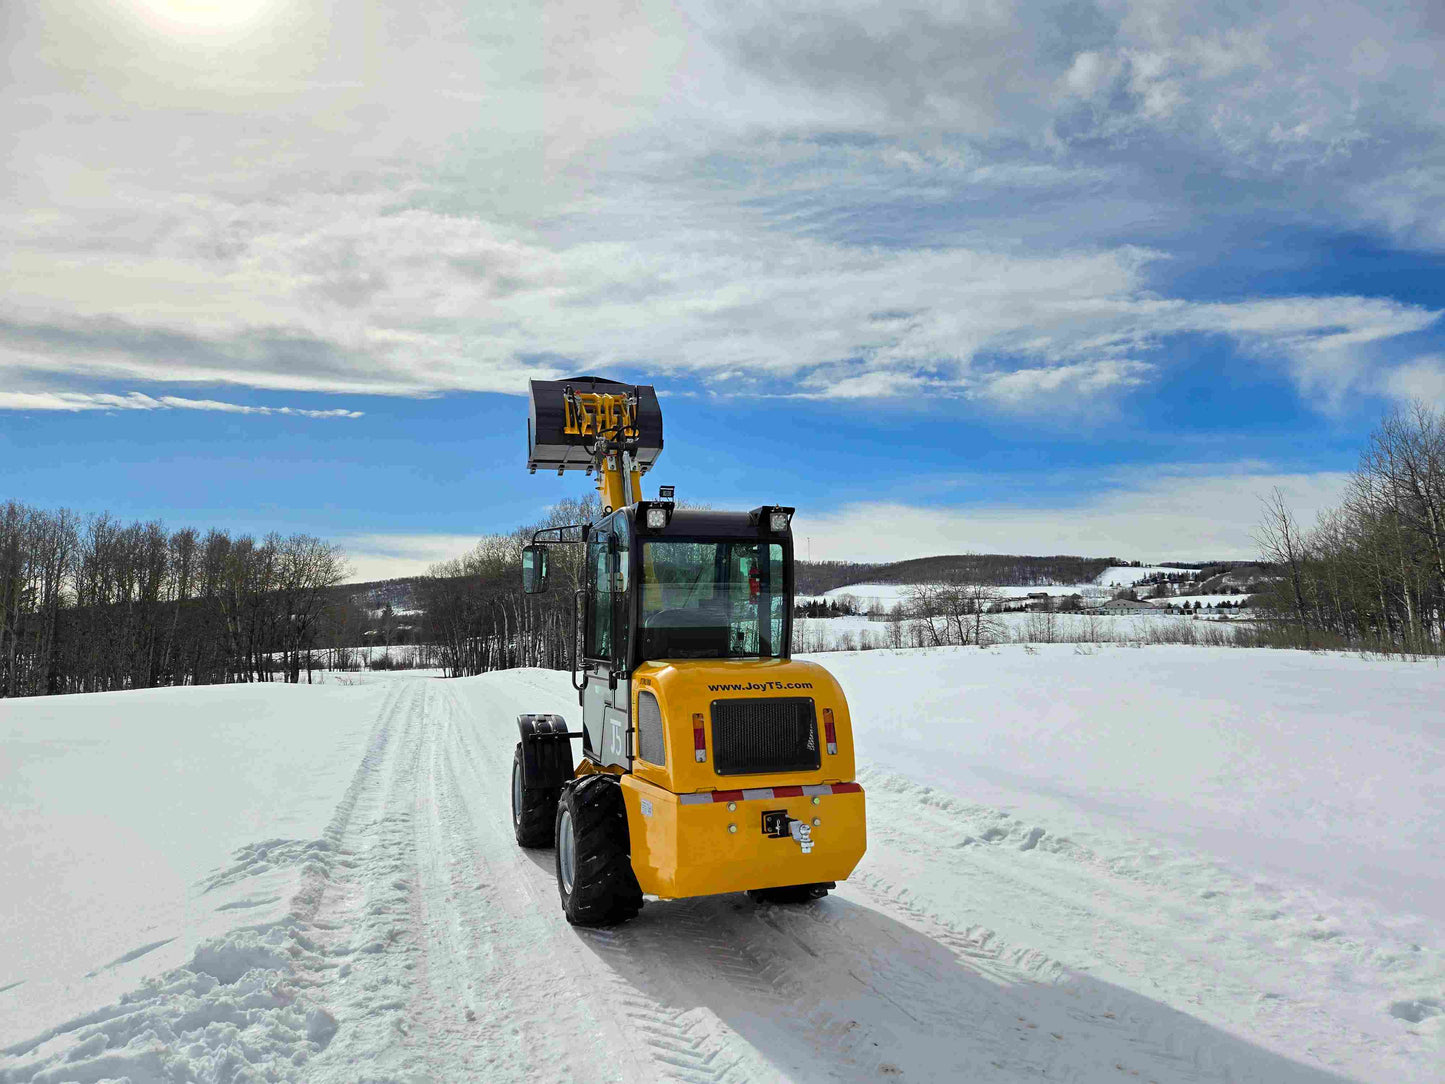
(1048,277)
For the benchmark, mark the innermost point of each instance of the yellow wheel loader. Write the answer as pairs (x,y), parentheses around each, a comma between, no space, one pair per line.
(711,760)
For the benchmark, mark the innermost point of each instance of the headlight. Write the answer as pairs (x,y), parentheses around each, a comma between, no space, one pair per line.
(656,519)
(778,522)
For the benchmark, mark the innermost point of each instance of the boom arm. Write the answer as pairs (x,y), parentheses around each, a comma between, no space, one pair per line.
(610,418)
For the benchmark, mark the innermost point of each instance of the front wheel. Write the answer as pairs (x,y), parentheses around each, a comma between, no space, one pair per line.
(533,808)
(594,859)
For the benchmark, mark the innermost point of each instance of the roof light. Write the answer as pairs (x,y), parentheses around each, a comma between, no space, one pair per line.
(666,492)
(654,515)
(772,517)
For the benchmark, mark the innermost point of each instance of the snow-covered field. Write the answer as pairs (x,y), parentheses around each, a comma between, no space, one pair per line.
(1168,864)
(864,633)
(884,596)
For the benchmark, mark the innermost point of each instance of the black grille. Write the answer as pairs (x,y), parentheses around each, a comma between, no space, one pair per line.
(754,736)
(649,730)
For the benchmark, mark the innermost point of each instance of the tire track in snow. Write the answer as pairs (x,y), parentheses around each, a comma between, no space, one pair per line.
(1057,901)
(361,911)
(479,976)
(237,1009)
(653,965)
(687,974)
(680,1049)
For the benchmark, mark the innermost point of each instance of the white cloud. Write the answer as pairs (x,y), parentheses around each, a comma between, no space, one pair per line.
(385,557)
(76,402)
(315,208)
(1181,513)
(1082,381)
(1423,378)
(330,297)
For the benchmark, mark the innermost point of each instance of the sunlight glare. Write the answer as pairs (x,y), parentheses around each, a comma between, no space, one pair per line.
(204,16)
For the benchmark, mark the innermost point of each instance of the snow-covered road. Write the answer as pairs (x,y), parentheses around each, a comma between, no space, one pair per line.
(974,943)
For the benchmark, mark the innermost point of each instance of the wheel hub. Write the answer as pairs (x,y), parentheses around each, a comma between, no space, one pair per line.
(516,794)
(566,852)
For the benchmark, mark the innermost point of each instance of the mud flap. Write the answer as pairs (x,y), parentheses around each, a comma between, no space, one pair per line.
(546,750)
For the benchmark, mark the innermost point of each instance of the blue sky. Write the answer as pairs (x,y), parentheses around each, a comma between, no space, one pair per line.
(1065,277)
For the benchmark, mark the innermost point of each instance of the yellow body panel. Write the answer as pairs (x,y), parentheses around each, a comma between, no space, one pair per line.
(685,687)
(686,850)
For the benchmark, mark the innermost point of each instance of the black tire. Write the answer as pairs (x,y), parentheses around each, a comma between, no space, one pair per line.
(792,893)
(534,809)
(591,838)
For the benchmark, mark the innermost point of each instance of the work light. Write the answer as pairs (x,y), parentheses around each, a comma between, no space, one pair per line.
(778,521)
(656,519)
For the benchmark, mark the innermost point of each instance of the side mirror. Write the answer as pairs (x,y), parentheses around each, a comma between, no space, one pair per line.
(534,569)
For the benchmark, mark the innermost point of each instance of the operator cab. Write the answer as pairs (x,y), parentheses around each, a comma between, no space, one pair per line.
(677,585)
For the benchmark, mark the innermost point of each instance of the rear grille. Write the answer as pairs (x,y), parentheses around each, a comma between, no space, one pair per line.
(649,730)
(754,736)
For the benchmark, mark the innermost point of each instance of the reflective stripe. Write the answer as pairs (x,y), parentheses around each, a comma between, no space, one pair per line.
(768,793)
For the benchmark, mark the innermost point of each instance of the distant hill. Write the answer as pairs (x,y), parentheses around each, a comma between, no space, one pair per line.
(1000,569)
(400,594)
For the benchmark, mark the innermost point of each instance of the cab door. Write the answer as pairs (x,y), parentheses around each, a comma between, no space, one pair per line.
(606,693)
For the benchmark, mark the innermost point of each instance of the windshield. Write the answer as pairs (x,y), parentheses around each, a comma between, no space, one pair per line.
(713,600)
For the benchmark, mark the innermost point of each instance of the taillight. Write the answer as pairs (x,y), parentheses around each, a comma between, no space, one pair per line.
(699,738)
(830,733)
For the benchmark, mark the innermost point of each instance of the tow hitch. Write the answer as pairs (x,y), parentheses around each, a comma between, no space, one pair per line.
(778,825)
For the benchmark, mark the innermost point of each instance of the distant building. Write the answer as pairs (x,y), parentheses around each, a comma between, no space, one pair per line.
(1122,606)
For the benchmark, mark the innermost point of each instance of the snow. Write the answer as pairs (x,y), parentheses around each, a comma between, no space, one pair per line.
(883,596)
(1086,863)
(863,633)
(118,806)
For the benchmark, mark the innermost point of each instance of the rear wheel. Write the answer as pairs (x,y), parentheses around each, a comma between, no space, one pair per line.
(534,809)
(594,859)
(792,893)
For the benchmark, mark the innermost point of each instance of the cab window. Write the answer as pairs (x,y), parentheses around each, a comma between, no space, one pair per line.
(598,641)
(713,600)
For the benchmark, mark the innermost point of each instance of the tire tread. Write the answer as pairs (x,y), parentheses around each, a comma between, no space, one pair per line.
(534,828)
(605,890)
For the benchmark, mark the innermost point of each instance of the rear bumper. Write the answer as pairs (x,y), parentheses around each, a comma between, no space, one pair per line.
(681,845)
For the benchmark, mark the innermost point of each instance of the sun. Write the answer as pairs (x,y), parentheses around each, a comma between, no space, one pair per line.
(203,16)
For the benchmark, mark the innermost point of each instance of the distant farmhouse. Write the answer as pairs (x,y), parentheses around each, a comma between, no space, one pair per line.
(1122,606)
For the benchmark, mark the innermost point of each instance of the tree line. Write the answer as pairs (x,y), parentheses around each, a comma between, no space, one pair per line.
(1371,572)
(478,619)
(94,604)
